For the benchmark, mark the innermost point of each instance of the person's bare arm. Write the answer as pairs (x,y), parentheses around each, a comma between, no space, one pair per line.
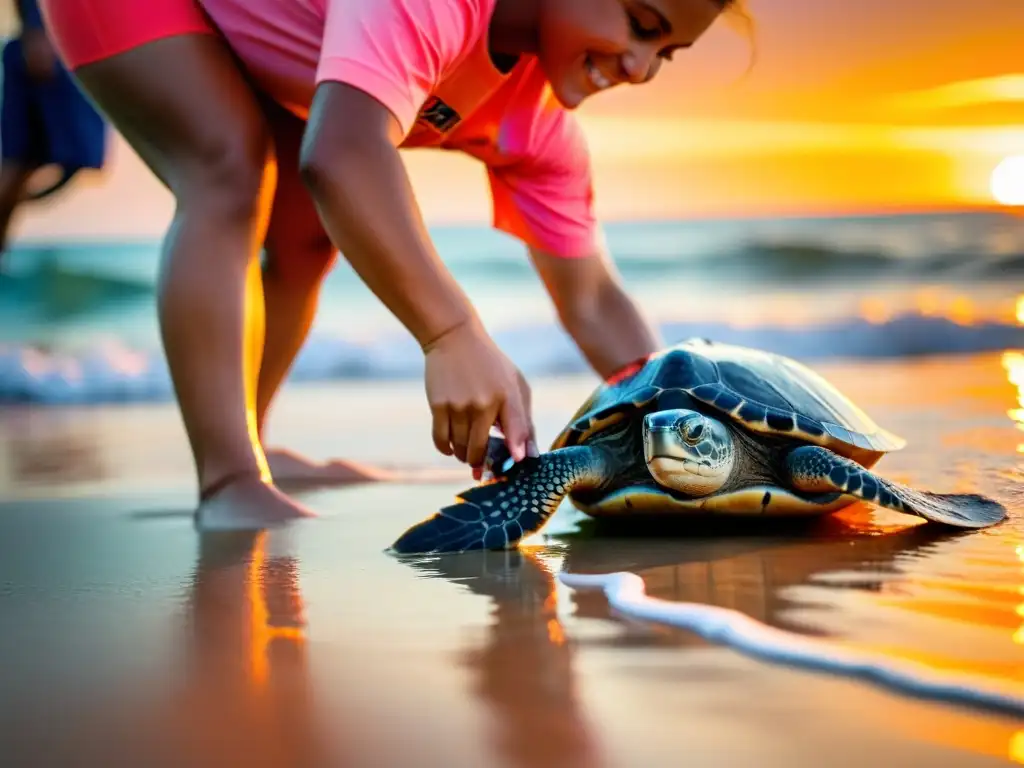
(350,163)
(595,309)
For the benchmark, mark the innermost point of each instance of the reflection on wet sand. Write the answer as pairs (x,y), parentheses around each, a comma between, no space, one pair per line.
(524,669)
(90,586)
(1017,742)
(975,582)
(245,692)
(971,585)
(752,573)
(861,577)
(1013,362)
(889,567)
(1018,636)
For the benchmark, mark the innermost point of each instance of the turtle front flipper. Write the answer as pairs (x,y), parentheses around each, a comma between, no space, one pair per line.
(817,470)
(497,515)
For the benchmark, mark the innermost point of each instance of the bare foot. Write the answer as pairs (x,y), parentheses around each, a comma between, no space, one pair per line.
(247,504)
(291,470)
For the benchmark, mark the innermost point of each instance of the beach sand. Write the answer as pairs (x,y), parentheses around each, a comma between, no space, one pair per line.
(129,640)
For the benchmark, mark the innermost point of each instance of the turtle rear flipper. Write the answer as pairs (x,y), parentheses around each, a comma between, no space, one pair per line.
(497,515)
(815,470)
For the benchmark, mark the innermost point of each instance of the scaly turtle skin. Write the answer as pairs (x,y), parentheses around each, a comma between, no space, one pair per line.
(701,428)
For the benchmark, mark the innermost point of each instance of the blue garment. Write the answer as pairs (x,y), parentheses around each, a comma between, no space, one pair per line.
(51,122)
(31,18)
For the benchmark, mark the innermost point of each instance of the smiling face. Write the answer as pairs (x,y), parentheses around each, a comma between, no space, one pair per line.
(587,46)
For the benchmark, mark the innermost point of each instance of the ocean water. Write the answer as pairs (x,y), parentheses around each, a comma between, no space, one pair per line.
(78,321)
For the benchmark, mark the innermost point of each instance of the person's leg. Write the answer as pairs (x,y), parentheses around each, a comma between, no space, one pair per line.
(13,178)
(19,135)
(299,254)
(184,107)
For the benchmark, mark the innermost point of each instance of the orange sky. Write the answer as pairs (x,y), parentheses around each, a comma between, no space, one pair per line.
(868,105)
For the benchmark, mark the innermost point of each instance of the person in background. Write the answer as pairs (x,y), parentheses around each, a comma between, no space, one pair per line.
(276,124)
(45,120)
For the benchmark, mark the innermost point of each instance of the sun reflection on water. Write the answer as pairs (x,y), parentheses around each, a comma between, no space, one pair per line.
(1018,636)
(1013,362)
(936,303)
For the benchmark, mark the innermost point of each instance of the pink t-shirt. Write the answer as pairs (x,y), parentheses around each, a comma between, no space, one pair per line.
(427,62)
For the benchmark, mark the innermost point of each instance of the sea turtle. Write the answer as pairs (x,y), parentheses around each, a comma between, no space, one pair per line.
(701,428)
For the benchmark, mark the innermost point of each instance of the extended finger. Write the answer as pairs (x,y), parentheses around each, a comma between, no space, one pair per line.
(515,425)
(527,395)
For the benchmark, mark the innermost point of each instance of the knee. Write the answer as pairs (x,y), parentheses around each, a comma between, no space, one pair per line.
(231,175)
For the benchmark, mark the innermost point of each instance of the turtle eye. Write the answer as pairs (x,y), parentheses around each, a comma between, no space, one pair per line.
(692,431)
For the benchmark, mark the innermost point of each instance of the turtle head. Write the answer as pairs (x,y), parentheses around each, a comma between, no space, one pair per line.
(688,452)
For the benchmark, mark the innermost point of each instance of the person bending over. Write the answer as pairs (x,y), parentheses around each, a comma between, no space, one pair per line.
(276,124)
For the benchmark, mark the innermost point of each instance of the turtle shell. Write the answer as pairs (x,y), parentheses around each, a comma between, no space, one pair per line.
(763,392)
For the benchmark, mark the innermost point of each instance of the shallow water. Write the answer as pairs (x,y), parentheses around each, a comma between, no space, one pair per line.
(128,640)
(78,325)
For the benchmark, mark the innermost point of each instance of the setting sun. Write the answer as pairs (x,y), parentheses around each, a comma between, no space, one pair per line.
(1008,181)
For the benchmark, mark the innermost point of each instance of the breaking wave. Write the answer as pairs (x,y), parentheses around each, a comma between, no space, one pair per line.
(112,371)
(79,319)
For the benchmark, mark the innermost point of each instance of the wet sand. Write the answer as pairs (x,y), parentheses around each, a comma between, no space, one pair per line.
(129,640)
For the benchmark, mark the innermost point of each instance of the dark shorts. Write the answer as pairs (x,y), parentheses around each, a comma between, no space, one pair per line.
(50,123)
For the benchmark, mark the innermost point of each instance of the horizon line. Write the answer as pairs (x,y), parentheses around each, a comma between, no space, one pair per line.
(891,211)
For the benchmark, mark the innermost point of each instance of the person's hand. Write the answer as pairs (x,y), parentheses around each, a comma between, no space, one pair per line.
(471,385)
(40,58)
(497,454)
